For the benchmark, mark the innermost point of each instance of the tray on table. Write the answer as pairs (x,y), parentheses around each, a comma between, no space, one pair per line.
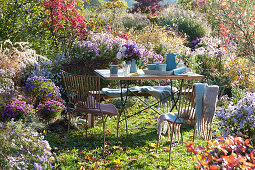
(158,72)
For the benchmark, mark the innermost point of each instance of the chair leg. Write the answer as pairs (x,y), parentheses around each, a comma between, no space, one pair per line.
(157,145)
(104,120)
(118,124)
(181,133)
(68,127)
(194,133)
(171,140)
(87,125)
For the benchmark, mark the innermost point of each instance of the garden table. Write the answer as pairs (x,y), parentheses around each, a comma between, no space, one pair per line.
(126,79)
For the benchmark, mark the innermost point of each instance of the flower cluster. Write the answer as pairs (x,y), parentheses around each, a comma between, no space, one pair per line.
(6,84)
(42,87)
(229,153)
(17,110)
(50,109)
(24,148)
(100,46)
(240,118)
(131,51)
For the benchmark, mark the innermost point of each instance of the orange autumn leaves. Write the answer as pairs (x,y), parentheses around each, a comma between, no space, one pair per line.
(236,20)
(230,152)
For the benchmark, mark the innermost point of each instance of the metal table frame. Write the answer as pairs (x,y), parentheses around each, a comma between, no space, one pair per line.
(125,80)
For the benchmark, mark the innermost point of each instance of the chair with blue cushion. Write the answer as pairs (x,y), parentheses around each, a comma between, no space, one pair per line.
(196,107)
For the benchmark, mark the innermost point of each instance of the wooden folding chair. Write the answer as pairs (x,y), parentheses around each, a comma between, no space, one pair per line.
(186,114)
(83,96)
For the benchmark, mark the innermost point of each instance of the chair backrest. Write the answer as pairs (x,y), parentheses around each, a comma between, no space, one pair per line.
(187,103)
(82,90)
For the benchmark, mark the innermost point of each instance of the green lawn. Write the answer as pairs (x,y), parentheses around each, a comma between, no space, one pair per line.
(138,152)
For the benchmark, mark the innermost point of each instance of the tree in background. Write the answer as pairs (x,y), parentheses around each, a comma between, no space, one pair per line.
(235,21)
(64,24)
(147,6)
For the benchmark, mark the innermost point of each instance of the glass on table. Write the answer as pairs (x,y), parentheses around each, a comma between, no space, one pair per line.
(125,68)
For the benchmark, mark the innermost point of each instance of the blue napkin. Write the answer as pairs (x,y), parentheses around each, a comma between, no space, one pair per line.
(180,70)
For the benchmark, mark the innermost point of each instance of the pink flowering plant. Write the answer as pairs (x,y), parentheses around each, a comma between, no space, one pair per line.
(17,110)
(50,109)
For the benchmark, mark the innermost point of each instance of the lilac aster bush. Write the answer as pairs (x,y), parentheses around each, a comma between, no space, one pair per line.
(50,109)
(16,110)
(24,148)
(239,119)
(42,88)
(100,46)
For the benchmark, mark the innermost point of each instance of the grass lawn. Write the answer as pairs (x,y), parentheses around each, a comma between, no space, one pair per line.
(138,152)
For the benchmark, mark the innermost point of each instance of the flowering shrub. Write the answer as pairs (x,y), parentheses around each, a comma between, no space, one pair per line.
(117,32)
(100,46)
(23,148)
(50,109)
(18,94)
(6,83)
(40,86)
(208,58)
(64,23)
(239,119)
(235,22)
(17,110)
(242,72)
(229,153)
(162,40)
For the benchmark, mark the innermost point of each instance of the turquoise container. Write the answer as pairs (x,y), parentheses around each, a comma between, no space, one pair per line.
(171,62)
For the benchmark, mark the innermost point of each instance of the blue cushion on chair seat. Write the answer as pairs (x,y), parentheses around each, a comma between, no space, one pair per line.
(171,118)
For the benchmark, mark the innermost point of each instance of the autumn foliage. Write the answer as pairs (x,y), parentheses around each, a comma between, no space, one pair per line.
(236,21)
(64,22)
(224,153)
(147,6)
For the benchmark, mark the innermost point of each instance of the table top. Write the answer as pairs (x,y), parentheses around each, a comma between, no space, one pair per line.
(105,74)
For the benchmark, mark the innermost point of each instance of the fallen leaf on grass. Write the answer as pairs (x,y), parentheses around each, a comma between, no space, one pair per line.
(135,158)
(109,132)
(117,162)
(154,155)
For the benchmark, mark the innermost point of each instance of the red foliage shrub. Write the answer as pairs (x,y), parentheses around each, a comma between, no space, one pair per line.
(224,153)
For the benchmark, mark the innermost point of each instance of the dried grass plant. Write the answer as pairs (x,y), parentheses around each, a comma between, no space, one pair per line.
(18,56)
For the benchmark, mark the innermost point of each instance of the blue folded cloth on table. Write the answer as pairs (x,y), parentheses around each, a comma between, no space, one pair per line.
(180,70)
